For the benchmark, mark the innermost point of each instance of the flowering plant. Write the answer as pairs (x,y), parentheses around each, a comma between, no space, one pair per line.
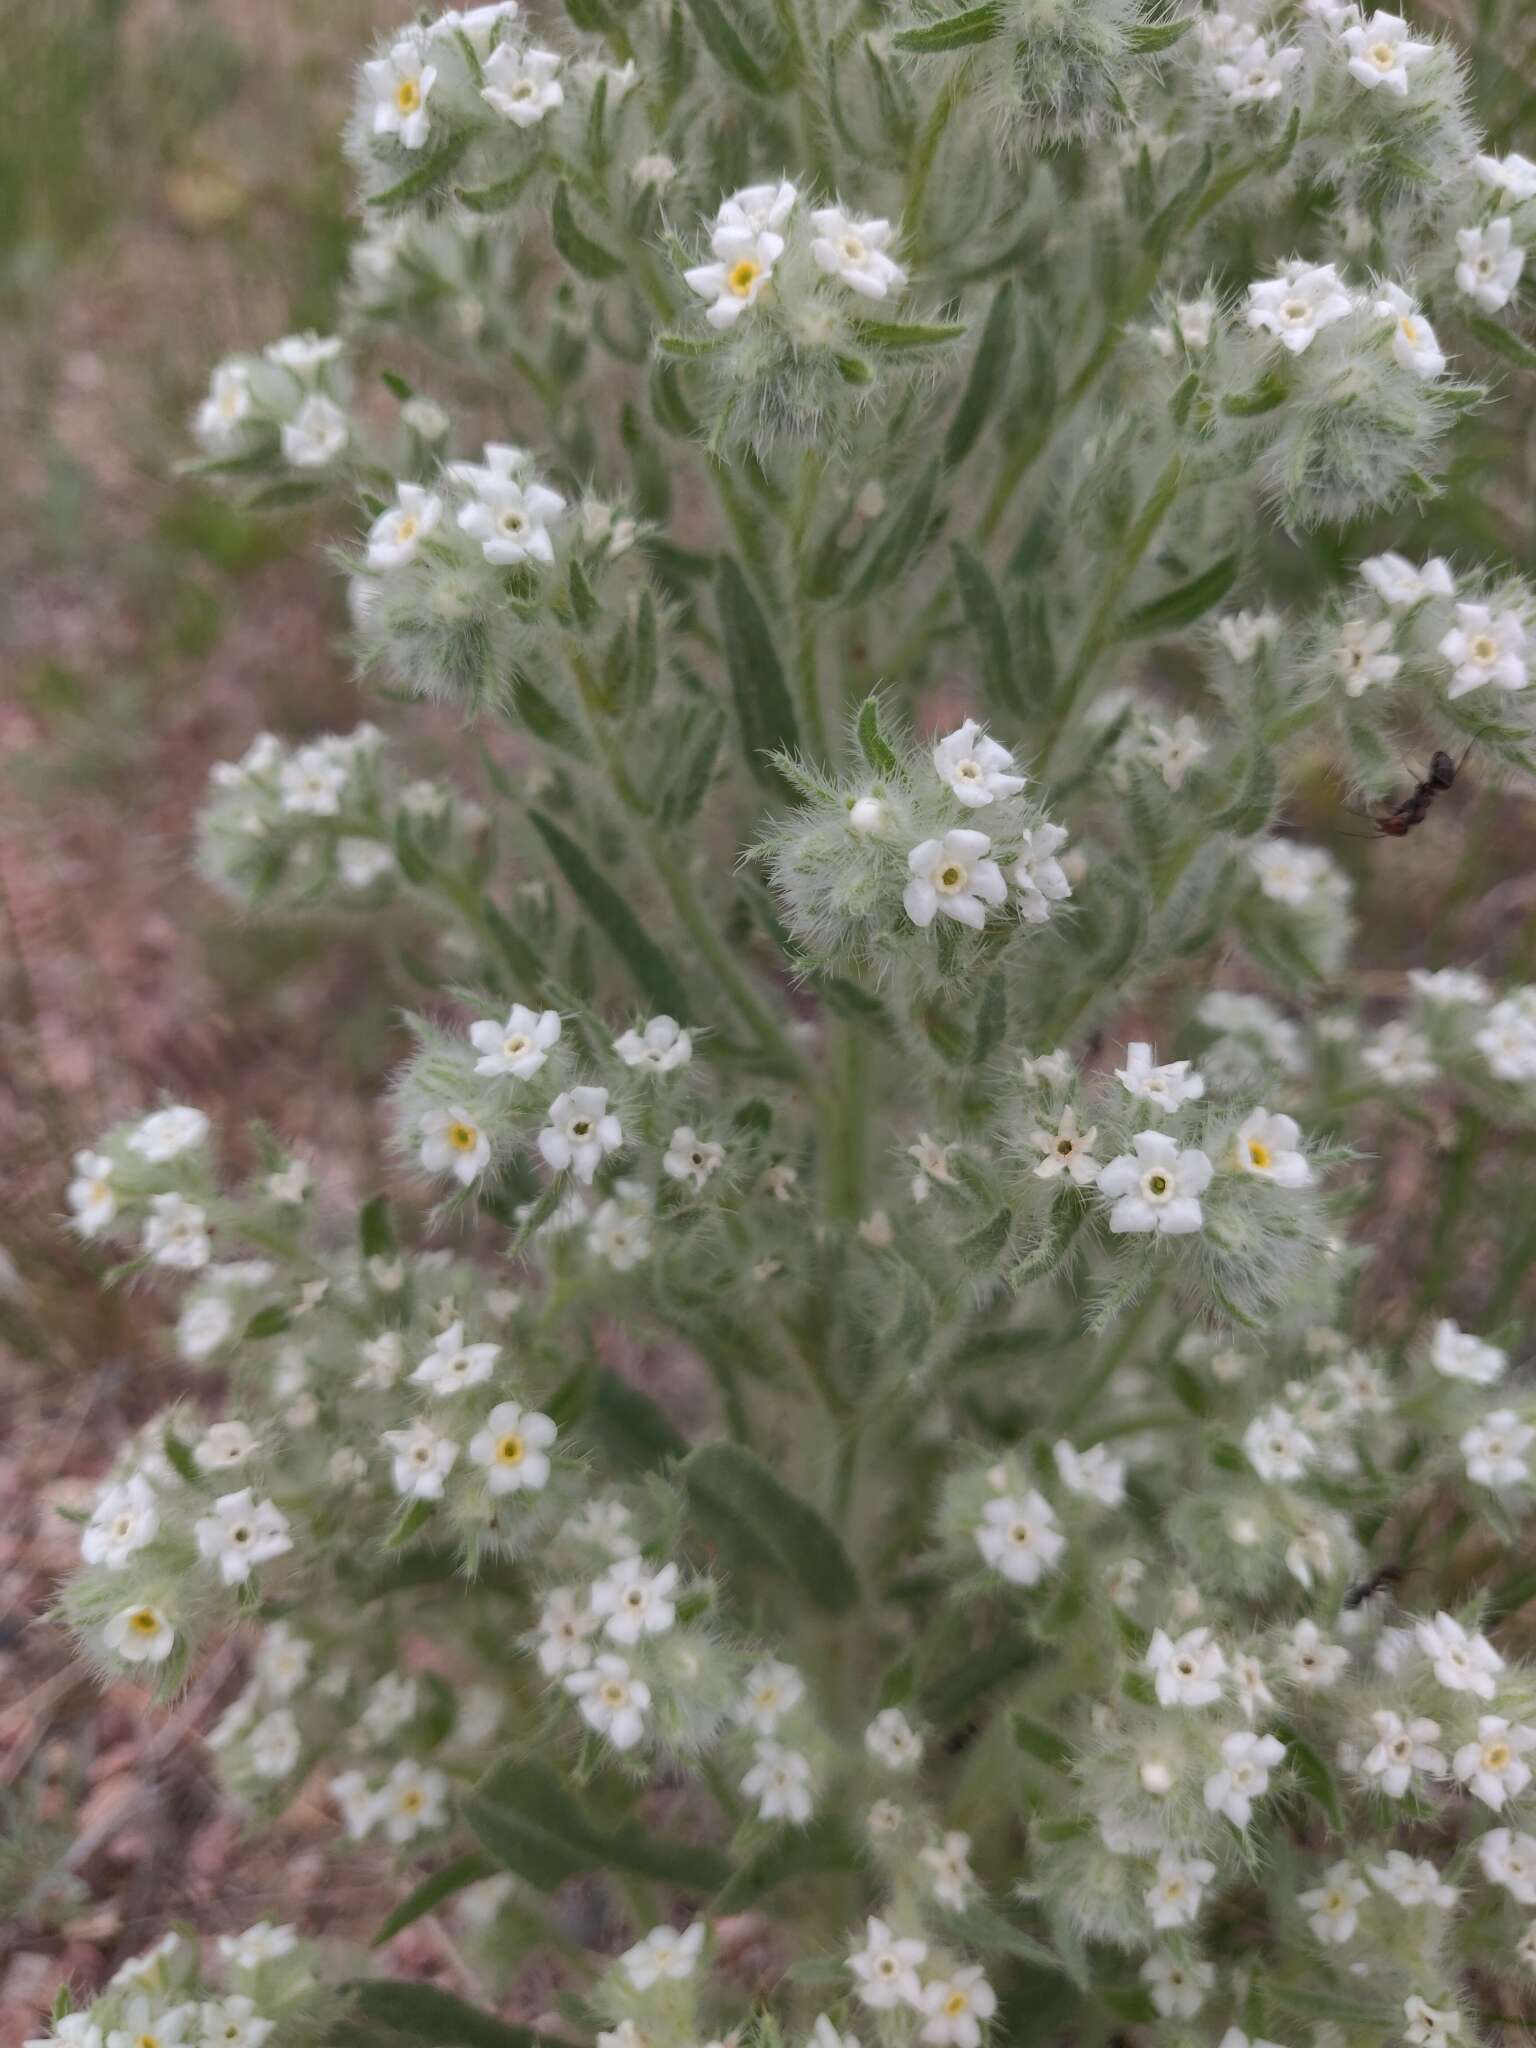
(859,1443)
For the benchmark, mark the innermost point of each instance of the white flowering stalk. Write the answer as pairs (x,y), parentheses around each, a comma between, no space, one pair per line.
(1032,1567)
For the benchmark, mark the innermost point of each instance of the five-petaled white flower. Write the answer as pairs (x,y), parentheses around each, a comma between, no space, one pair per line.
(1402,584)
(854,252)
(885,1969)
(611,1699)
(514,1448)
(144,1635)
(452,1365)
(1510,1860)
(316,434)
(1244,633)
(168,1133)
(663,1956)
(1164,1088)
(1495,1449)
(1186,1672)
(176,1234)
(690,1157)
(274,1744)
(952,1880)
(892,1740)
(1493,1768)
(1177,1985)
(90,1196)
(953,875)
(125,1518)
(1092,1474)
(520,1046)
(1310,1660)
(241,1533)
(1411,1881)
(1246,1761)
(1513,174)
(633,1601)
(511,520)
(1174,750)
(1431,2026)
(452,1142)
(1333,1907)
(1067,1150)
(233,2023)
(1491,263)
(1461,1356)
(1382,52)
(1257,73)
(660,1047)
(423,1458)
(398,532)
(1038,875)
(1415,345)
(1401,1748)
(772,1690)
(956,2006)
(401,84)
(1360,655)
(979,770)
(620,1230)
(1463,1660)
(412,1799)
(521,85)
(1296,306)
(1157,1188)
(1019,1537)
(1268,1147)
(1277,1447)
(1485,647)
(581,1131)
(1174,1897)
(740,274)
(780,1782)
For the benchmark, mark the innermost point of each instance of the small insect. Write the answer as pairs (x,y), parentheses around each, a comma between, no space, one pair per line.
(1367,1589)
(1399,820)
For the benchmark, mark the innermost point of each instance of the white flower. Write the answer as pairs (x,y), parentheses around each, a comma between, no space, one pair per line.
(175,1233)
(282,1661)
(1257,73)
(397,533)
(1244,633)
(1067,1151)
(564,1625)
(1398,583)
(1333,1907)
(953,1880)
(1038,875)
(1019,1537)
(634,1601)
(1092,1474)
(1461,1356)
(423,1458)
(205,1323)
(1290,873)
(892,1741)
(1491,263)
(956,2006)
(426,417)
(1399,1056)
(90,1195)
(412,1799)
(1508,1040)
(654,171)
(1165,1088)
(977,769)
(1493,1768)
(741,272)
(360,863)
(1430,2026)
(1510,1860)
(758,207)
(773,1689)
(1449,985)
(274,1746)
(1268,1147)
(1381,52)
(953,874)
(220,416)
(1186,1672)
(452,1142)
(1401,1748)
(1483,647)
(520,84)
(1277,1448)
(452,1365)
(149,2026)
(260,1944)
(780,1782)
(1177,1987)
(1415,346)
(854,251)
(1157,1188)
(384,1361)
(580,1132)
(620,1231)
(224,1447)
(146,1967)
(1359,658)
(1462,1662)
(305,355)
(660,1048)
(1174,1897)
(513,1447)
(1411,1881)
(932,1162)
(143,1635)
(1515,175)
(316,434)
(520,1046)
(885,1969)
(1174,750)
(233,2023)
(1047,1069)
(241,1533)
(125,1518)
(401,84)
(1296,306)
(168,1133)
(1249,1685)
(1244,1774)
(690,1157)
(310,785)
(664,1956)
(511,520)
(1310,1660)
(1495,1449)
(611,1700)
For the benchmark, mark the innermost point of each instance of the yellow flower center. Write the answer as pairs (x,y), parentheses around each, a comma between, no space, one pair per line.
(515,1046)
(1383,56)
(405,528)
(410,1802)
(463,1137)
(1484,647)
(407,95)
(613,1694)
(951,878)
(145,1622)
(955,2004)
(743,275)
(1409,327)
(1260,1155)
(510,1449)
(1495,1755)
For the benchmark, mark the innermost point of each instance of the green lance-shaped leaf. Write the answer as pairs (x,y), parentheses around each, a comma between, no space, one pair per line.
(1184,604)
(984,615)
(901,538)
(824,1845)
(898,337)
(585,256)
(630,1426)
(524,1817)
(989,373)
(1502,341)
(545,719)
(720,38)
(1148,37)
(873,744)
(755,1519)
(692,768)
(763,707)
(955,32)
(652,972)
(431,1892)
(423,2013)
(504,193)
(374,1229)
(423,179)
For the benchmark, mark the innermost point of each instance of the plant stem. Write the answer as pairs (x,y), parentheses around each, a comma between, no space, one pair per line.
(1100,1374)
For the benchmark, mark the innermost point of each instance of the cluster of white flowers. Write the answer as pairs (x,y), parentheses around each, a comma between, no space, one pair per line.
(290,402)
(257,1986)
